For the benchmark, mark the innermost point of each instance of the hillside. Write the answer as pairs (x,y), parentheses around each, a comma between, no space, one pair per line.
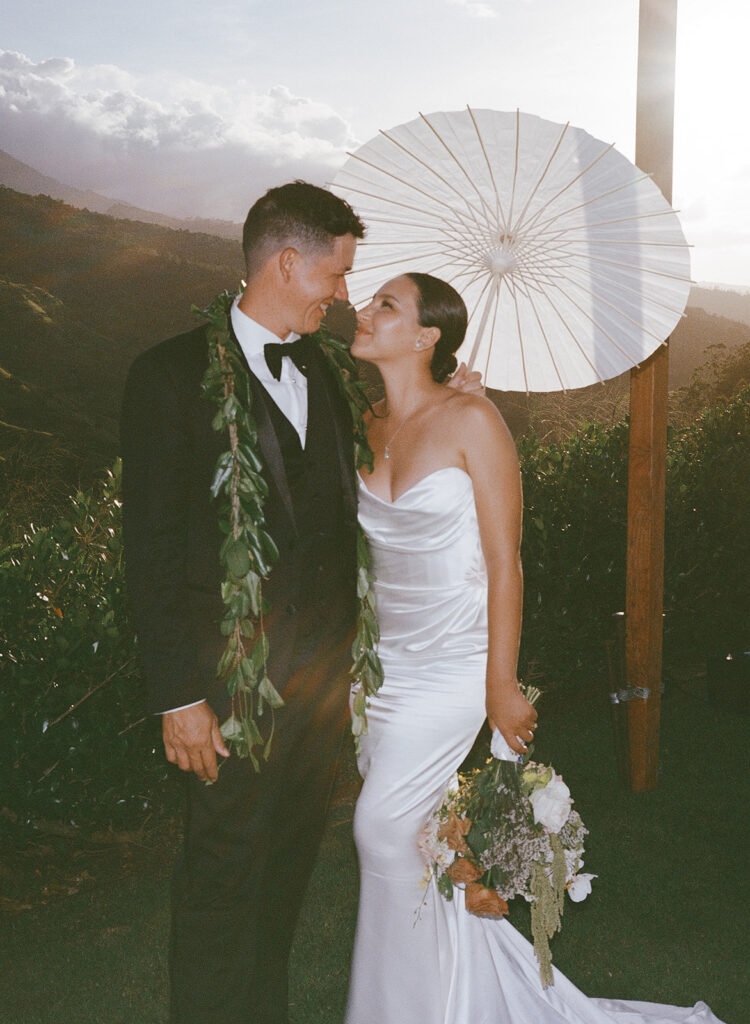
(733,303)
(693,336)
(56,375)
(19,176)
(133,282)
(82,293)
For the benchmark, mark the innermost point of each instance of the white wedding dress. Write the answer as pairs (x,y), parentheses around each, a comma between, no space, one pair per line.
(419,959)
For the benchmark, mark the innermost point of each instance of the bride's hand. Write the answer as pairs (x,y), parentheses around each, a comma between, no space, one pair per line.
(510,712)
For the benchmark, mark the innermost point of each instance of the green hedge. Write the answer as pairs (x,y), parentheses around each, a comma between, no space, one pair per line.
(575,502)
(707,574)
(76,742)
(575,540)
(78,746)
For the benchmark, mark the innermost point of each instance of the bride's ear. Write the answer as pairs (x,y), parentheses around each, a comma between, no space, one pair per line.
(427,338)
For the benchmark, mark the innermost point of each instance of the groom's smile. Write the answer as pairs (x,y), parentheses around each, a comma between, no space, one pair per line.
(320,280)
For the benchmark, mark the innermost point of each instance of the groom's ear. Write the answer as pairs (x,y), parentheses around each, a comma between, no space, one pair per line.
(287,259)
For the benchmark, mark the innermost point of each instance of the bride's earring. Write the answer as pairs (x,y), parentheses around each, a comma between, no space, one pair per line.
(418,344)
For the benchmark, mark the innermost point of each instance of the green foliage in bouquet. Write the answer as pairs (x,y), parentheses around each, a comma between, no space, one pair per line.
(77,744)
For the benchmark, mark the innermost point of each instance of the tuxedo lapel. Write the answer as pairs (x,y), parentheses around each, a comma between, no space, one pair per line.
(268,442)
(341,429)
(270,449)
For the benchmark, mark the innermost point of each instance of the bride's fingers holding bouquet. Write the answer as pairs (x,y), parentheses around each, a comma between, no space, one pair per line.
(512,715)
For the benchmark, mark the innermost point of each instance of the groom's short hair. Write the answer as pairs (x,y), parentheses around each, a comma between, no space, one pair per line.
(299,215)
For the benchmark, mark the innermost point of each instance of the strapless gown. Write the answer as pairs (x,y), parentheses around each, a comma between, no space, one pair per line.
(417,958)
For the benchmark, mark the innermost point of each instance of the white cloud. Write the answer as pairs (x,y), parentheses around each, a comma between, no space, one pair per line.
(475,8)
(174,145)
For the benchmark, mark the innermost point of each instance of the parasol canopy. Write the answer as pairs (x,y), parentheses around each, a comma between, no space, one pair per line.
(572,264)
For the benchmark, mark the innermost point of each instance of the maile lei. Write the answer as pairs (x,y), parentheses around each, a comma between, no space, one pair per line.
(248,551)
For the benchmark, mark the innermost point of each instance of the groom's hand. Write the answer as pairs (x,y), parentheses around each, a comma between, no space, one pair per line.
(192,740)
(468,381)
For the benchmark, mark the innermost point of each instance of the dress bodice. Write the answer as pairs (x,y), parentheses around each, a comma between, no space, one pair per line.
(431,581)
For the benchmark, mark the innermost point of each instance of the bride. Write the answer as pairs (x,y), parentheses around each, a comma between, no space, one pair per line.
(442,513)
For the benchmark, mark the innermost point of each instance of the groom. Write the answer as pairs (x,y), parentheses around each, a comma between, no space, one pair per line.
(250,839)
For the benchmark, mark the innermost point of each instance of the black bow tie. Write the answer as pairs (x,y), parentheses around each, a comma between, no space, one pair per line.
(299,352)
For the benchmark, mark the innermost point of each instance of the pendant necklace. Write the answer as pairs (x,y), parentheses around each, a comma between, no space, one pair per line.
(386,451)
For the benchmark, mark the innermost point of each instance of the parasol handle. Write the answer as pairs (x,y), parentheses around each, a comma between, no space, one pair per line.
(483,323)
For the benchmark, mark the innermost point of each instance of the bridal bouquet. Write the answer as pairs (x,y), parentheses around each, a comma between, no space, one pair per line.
(508,830)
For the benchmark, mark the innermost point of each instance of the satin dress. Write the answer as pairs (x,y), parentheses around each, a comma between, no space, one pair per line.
(419,959)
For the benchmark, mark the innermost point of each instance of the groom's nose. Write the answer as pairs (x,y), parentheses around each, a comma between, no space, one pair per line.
(342,293)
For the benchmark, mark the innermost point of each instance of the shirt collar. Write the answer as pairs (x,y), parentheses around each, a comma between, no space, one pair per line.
(253,336)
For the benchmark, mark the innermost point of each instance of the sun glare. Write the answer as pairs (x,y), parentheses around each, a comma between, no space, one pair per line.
(712,146)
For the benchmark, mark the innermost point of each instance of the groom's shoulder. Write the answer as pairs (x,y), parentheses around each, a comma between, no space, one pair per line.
(181,356)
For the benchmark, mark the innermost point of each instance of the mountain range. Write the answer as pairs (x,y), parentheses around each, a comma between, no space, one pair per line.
(82,292)
(22,178)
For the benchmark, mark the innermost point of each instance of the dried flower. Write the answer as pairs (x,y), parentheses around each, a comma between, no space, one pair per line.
(453,830)
(484,902)
(463,870)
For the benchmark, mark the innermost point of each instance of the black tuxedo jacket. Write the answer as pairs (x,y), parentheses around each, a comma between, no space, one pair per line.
(171,529)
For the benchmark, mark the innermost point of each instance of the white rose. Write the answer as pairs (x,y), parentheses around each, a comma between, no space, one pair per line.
(552,804)
(579,887)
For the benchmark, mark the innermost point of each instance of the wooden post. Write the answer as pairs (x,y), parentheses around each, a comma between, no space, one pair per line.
(648,418)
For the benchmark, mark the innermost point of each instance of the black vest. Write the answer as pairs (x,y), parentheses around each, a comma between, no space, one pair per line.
(318,562)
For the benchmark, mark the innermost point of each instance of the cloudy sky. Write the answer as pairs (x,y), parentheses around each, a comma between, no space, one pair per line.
(194,109)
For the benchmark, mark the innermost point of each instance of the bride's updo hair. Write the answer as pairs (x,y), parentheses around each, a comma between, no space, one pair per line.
(441,306)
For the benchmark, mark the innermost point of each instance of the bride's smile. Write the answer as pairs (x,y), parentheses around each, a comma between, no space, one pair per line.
(388,328)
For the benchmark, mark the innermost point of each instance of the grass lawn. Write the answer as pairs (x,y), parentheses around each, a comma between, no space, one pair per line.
(83,926)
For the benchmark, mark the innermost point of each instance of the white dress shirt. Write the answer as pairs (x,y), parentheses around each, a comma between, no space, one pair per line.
(289,393)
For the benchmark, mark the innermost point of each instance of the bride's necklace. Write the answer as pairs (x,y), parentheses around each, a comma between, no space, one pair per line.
(389,442)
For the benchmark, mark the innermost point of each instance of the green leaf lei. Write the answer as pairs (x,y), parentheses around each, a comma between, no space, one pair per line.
(248,552)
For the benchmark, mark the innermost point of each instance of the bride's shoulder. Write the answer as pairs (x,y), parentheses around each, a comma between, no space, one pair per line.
(474,409)
(476,420)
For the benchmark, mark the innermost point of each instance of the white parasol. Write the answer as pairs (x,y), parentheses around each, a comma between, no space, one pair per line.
(573,266)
